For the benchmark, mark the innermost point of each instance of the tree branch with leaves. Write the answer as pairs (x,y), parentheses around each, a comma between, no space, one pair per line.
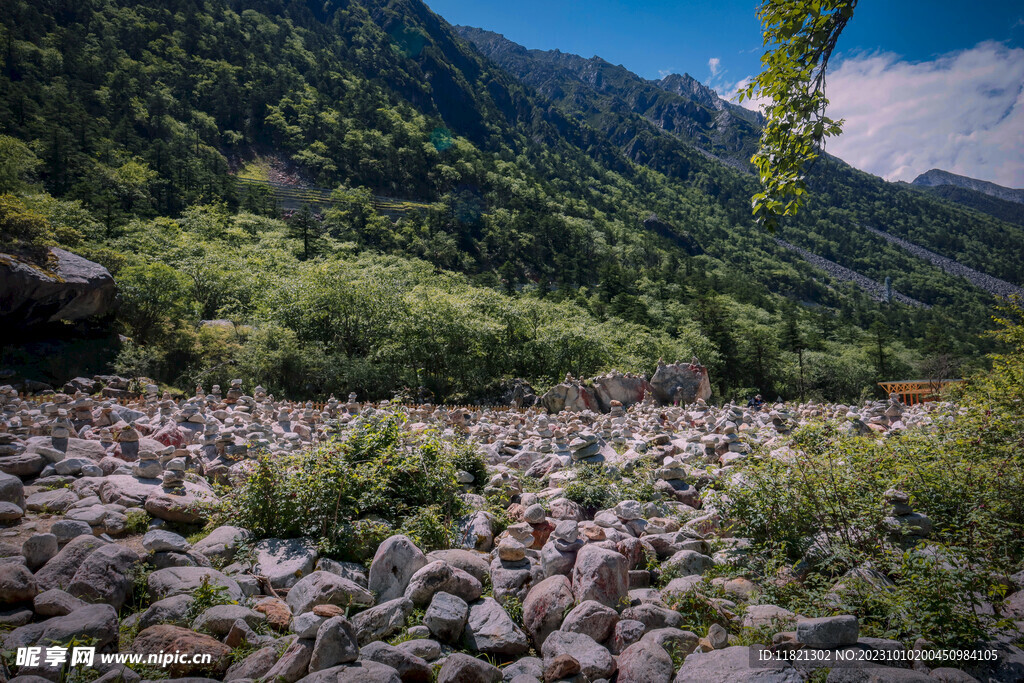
(800,37)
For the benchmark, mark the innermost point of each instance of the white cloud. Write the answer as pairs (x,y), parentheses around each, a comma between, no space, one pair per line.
(962,112)
(666,72)
(714,64)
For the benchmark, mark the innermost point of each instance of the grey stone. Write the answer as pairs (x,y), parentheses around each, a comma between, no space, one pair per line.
(593,619)
(254,666)
(600,574)
(441,576)
(490,630)
(218,619)
(180,580)
(324,588)
(67,529)
(595,661)
(732,665)
(307,624)
(16,584)
(105,576)
(173,610)
(410,668)
(446,617)
(222,542)
(688,563)
(424,648)
(383,620)
(645,662)
(393,565)
(627,632)
(336,643)
(461,668)
(545,607)
(828,631)
(39,549)
(160,540)
(293,664)
(56,603)
(59,571)
(362,671)
(9,512)
(12,490)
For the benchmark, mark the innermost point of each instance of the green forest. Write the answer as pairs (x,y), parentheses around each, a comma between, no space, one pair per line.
(555,236)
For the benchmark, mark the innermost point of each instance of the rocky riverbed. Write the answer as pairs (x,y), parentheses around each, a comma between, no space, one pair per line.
(97,499)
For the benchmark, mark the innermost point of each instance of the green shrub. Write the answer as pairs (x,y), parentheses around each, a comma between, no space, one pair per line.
(356,490)
(826,511)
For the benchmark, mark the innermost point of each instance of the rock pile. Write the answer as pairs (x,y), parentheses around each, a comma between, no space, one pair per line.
(562,593)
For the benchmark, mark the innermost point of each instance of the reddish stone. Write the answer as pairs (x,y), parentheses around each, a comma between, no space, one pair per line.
(278,614)
(328,611)
(540,534)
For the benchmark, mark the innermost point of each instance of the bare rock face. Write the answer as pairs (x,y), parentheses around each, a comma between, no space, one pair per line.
(680,383)
(72,288)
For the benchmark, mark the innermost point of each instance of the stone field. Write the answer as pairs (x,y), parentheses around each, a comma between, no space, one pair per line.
(97,498)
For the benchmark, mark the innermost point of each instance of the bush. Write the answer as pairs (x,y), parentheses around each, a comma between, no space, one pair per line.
(827,512)
(357,489)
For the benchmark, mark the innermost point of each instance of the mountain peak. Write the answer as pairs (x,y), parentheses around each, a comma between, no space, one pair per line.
(936,177)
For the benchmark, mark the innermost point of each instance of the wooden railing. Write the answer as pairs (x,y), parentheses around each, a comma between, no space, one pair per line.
(914,391)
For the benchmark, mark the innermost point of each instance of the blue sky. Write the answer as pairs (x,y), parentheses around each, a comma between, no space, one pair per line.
(955,68)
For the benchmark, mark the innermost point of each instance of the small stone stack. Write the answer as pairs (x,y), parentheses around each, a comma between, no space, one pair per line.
(234,392)
(174,475)
(148,465)
(584,446)
(905,526)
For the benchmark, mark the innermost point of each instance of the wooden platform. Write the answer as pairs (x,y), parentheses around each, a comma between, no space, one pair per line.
(914,391)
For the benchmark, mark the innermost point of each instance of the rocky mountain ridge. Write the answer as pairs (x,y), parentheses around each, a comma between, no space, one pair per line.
(937,178)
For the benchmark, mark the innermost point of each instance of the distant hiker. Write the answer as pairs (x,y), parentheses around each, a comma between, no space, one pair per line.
(755,402)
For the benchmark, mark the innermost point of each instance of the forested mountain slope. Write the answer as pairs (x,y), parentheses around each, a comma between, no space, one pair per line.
(128,120)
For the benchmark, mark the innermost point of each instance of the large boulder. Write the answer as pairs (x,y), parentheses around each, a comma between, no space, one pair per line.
(105,576)
(595,661)
(94,624)
(166,638)
(284,561)
(60,570)
(545,607)
(441,576)
(12,490)
(680,383)
(164,583)
(16,583)
(446,617)
(383,620)
(410,668)
(335,644)
(221,543)
(394,563)
(570,395)
(733,665)
(645,662)
(461,668)
(600,574)
(626,389)
(491,631)
(68,287)
(190,505)
(325,588)
(591,618)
